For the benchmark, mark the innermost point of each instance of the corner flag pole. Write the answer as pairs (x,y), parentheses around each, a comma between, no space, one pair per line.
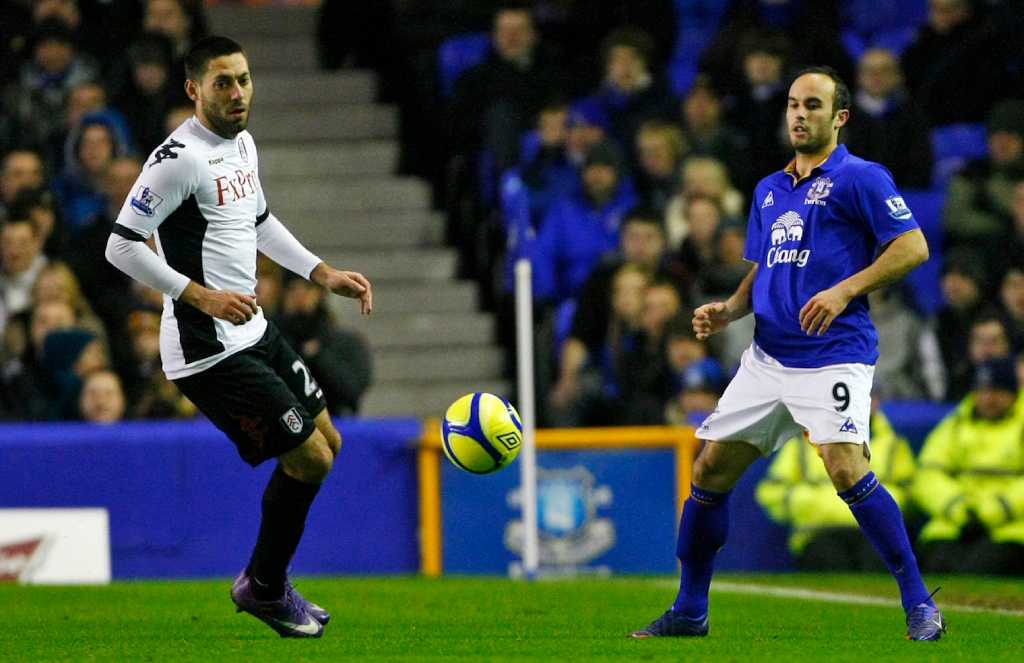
(528,455)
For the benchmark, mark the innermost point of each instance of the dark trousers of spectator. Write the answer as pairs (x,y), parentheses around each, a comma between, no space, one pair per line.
(974,555)
(840,549)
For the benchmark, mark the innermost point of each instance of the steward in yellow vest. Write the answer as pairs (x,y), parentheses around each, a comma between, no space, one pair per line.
(798,492)
(971,481)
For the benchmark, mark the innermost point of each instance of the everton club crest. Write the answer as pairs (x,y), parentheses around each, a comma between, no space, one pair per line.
(820,188)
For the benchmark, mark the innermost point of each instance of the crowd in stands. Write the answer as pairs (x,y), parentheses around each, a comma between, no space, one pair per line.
(88,89)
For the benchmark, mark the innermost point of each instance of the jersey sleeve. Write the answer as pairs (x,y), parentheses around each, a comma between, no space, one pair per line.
(754,246)
(167,179)
(881,205)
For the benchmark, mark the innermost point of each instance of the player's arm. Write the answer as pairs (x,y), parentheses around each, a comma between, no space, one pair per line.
(280,245)
(904,247)
(159,190)
(714,317)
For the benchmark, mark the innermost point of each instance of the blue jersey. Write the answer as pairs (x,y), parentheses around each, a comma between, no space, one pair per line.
(806,236)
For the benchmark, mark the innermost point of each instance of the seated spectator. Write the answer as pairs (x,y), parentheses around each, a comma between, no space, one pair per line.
(177,116)
(702,177)
(56,282)
(183,23)
(586,393)
(759,108)
(642,373)
(707,134)
(23,383)
(987,338)
(579,230)
(338,359)
(588,126)
(797,492)
(99,278)
(722,276)
(552,171)
(495,101)
(148,392)
(21,169)
(631,93)
(886,126)
(1011,297)
(949,52)
(101,400)
(979,200)
(68,356)
(660,149)
(40,205)
(963,281)
(146,95)
(698,379)
(21,261)
(910,365)
(269,285)
(970,477)
(89,151)
(39,99)
(697,251)
(1009,250)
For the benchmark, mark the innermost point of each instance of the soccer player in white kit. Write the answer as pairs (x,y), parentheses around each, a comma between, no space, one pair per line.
(823,233)
(199,197)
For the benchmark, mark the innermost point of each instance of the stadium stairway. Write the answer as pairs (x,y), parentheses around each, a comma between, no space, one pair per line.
(328,155)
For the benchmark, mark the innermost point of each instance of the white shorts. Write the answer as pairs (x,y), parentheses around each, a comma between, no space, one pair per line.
(767,404)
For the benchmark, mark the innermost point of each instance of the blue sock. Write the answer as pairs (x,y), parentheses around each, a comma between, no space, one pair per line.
(702,531)
(881,521)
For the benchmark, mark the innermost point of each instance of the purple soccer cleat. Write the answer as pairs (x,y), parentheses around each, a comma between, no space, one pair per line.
(312,609)
(285,615)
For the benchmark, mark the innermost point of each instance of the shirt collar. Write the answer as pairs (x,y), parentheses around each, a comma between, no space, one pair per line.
(836,157)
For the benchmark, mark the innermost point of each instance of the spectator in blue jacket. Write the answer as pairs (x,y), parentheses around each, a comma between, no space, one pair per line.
(91,147)
(579,229)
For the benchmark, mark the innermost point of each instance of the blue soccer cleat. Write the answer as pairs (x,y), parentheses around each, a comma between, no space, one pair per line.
(312,609)
(673,625)
(925,622)
(285,615)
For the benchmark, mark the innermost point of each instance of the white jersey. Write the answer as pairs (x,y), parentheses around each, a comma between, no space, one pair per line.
(204,193)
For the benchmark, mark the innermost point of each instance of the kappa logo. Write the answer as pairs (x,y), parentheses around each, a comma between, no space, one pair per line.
(819,190)
(166,151)
(769,200)
(145,202)
(848,426)
(897,208)
(292,421)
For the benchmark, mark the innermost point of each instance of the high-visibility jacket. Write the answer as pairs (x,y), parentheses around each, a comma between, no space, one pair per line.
(971,465)
(798,492)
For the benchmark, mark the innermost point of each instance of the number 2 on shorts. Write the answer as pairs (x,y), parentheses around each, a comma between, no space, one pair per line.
(841,393)
(310,383)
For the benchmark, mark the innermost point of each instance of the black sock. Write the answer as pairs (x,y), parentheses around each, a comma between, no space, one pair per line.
(286,503)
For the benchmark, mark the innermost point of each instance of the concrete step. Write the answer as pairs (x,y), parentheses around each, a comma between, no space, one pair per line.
(377,157)
(374,230)
(474,364)
(446,333)
(339,196)
(245,22)
(421,265)
(330,123)
(407,297)
(268,54)
(423,400)
(273,89)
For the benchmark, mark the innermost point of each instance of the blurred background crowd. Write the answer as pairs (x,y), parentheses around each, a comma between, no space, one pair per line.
(615,144)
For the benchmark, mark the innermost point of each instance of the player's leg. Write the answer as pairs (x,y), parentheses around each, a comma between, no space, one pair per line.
(327,429)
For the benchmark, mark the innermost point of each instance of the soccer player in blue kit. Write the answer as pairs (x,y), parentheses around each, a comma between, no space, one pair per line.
(823,232)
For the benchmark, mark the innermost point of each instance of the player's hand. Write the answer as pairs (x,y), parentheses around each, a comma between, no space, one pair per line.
(710,319)
(347,284)
(820,310)
(234,307)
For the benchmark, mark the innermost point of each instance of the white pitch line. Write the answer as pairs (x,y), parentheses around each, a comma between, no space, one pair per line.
(727,587)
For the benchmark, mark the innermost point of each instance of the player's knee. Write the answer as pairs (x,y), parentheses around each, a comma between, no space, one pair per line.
(313,463)
(844,476)
(333,438)
(711,475)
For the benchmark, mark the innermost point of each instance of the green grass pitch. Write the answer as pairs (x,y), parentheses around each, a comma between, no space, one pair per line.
(418,619)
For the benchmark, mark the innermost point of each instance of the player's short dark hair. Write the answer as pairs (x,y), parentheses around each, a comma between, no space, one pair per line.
(206,49)
(841,97)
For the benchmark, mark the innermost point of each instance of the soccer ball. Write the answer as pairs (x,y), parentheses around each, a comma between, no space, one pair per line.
(481,433)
